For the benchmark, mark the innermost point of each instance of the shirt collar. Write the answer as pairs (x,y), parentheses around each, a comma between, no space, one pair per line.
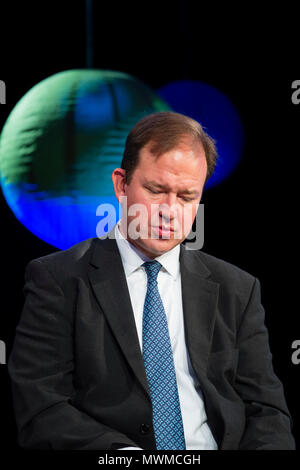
(133,258)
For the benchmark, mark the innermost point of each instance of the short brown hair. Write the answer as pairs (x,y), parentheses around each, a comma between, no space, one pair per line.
(166,130)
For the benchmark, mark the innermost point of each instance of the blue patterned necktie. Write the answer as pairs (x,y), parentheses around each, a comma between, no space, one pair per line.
(159,366)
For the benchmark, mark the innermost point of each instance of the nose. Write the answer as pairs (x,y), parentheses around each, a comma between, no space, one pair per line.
(167,208)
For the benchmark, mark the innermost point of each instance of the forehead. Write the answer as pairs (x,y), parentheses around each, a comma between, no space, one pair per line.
(182,160)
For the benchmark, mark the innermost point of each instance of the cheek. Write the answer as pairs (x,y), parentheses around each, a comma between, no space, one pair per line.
(138,198)
(145,201)
(133,197)
(188,215)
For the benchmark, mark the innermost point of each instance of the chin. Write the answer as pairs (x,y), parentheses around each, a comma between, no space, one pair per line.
(159,246)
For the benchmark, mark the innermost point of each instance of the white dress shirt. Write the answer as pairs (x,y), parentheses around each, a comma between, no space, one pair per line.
(196,430)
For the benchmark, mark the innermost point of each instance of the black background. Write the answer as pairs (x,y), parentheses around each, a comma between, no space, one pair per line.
(251,218)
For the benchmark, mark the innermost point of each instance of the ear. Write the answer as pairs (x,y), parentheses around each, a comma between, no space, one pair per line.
(118,178)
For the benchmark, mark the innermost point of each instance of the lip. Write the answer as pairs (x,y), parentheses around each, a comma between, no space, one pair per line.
(164,227)
(162,230)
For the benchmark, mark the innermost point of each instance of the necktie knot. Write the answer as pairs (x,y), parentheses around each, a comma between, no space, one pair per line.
(152,269)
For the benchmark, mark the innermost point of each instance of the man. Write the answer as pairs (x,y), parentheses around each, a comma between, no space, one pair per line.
(133,341)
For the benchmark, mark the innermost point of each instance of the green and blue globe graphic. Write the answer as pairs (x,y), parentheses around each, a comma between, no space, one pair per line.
(63,139)
(60,145)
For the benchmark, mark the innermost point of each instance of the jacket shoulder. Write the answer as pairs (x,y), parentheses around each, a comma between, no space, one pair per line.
(221,268)
(67,262)
(235,282)
(231,278)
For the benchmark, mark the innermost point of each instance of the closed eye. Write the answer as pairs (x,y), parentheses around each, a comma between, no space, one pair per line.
(187,199)
(153,191)
(184,198)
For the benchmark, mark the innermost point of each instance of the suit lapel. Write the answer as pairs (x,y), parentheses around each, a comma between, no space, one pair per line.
(109,284)
(200,299)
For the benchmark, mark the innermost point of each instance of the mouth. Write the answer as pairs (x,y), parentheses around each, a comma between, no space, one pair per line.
(164,230)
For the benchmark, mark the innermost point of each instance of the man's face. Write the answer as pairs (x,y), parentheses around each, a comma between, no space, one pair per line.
(169,188)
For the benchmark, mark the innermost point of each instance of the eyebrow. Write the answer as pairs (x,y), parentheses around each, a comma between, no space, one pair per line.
(156,185)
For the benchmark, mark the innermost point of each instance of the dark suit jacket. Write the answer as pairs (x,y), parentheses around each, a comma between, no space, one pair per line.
(76,368)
